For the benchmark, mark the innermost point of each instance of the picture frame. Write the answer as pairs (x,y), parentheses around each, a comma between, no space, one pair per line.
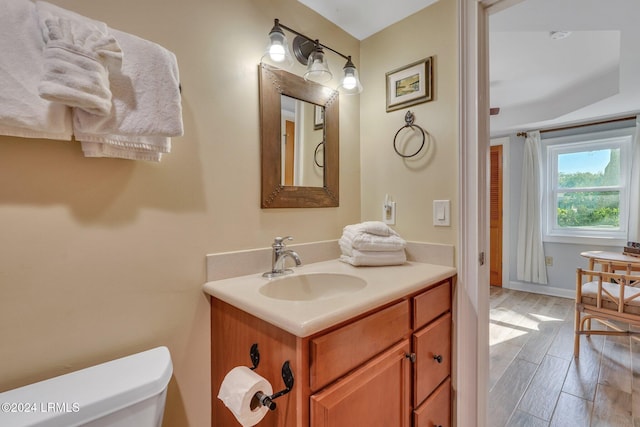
(410,84)
(318,117)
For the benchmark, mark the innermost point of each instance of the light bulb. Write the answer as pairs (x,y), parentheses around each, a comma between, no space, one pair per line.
(317,65)
(349,82)
(277,52)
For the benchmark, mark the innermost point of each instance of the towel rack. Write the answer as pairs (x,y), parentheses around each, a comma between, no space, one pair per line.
(409,123)
(315,155)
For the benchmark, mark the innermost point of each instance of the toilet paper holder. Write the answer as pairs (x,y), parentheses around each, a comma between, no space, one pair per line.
(255,356)
(287,378)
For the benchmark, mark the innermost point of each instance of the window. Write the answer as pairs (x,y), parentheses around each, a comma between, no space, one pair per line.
(588,179)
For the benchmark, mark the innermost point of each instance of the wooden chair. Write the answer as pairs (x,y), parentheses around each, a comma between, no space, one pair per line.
(621,267)
(607,297)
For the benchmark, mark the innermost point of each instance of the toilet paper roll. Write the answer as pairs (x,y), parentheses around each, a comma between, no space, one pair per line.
(237,391)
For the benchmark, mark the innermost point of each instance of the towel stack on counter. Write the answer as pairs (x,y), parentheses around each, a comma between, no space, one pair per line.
(372,243)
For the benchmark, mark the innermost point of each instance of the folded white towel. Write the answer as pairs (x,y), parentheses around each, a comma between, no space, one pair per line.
(370,242)
(146,109)
(77,56)
(23,112)
(378,228)
(95,149)
(362,258)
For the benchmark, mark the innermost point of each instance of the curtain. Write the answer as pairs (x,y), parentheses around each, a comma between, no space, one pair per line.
(530,252)
(634,191)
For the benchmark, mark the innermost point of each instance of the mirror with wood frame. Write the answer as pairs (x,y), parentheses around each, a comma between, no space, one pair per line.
(281,188)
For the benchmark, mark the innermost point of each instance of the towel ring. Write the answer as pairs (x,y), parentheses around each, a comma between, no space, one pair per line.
(315,154)
(409,118)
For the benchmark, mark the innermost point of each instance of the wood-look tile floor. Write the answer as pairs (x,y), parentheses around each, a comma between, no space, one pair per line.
(534,380)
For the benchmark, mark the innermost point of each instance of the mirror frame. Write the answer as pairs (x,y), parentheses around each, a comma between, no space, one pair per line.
(273,83)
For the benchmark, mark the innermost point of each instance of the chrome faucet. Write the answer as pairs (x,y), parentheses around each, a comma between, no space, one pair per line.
(279,256)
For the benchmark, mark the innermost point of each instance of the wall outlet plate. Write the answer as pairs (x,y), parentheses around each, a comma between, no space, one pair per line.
(389,213)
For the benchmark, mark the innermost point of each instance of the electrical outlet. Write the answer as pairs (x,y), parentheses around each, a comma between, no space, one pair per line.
(548,260)
(389,213)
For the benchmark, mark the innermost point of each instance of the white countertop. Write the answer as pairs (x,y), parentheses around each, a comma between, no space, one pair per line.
(304,318)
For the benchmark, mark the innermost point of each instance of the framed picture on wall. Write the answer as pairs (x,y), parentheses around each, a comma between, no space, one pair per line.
(410,85)
(318,117)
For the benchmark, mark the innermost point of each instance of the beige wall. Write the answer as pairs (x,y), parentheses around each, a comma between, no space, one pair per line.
(101,257)
(432,174)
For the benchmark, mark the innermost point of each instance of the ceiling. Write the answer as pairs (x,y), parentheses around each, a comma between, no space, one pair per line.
(536,81)
(361,22)
(540,83)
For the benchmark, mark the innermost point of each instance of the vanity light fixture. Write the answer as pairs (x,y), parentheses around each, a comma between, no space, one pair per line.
(310,52)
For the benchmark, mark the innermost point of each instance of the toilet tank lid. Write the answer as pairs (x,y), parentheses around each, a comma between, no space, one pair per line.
(81,396)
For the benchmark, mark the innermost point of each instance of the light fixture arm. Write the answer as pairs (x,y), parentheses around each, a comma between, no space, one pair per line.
(310,52)
(314,41)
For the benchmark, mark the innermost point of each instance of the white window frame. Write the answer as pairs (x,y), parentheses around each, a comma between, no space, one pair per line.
(620,138)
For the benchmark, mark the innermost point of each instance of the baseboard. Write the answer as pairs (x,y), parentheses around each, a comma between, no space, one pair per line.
(542,289)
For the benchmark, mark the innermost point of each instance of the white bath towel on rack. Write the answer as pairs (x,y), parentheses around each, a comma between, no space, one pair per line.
(23,112)
(78,54)
(99,149)
(146,105)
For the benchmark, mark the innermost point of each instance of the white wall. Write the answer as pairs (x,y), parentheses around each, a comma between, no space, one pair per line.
(101,258)
(432,175)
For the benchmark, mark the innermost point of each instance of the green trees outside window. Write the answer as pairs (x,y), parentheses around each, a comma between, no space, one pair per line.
(580,202)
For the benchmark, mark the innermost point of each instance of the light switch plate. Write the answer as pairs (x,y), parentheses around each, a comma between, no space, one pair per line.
(441,213)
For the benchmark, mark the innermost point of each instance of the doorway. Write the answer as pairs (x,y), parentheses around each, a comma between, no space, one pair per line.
(289,152)
(495,216)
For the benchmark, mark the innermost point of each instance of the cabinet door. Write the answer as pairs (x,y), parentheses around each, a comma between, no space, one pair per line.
(375,395)
(432,346)
(436,411)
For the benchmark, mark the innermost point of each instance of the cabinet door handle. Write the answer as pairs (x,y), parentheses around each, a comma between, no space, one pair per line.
(437,358)
(411,357)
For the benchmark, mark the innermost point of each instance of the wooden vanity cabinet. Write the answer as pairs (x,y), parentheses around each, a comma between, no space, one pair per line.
(379,369)
(431,344)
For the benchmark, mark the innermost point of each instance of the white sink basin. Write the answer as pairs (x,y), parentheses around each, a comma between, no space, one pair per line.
(312,286)
(319,295)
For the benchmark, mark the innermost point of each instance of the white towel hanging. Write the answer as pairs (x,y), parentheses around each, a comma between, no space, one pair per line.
(23,112)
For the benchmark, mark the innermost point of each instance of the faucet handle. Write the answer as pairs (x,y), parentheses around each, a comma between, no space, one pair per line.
(279,241)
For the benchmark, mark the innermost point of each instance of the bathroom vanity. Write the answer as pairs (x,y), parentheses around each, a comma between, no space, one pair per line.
(376,353)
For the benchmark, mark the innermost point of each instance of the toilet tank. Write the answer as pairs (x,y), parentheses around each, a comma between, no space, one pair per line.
(125,392)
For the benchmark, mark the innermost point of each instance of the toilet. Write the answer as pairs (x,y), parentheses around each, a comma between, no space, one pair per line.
(126,392)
